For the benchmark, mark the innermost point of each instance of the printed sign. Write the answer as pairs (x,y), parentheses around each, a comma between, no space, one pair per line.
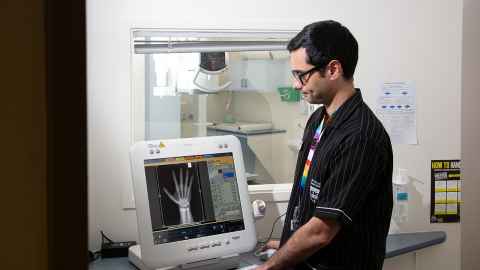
(446,191)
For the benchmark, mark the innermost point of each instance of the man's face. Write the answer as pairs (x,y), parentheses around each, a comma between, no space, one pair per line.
(316,88)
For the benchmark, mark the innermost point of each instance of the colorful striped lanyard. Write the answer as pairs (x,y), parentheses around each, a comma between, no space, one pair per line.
(308,163)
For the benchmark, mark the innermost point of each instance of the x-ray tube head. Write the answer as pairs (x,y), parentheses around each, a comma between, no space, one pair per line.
(213,66)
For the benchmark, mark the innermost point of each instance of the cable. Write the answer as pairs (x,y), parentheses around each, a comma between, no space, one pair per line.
(271,232)
(93,256)
(105,237)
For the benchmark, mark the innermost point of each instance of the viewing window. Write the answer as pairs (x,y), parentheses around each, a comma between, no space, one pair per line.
(205,83)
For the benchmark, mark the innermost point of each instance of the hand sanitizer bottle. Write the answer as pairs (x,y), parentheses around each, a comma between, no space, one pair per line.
(400,193)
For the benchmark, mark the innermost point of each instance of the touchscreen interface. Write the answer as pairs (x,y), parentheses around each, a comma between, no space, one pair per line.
(192,197)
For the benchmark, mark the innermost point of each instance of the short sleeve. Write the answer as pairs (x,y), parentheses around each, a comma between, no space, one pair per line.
(352,175)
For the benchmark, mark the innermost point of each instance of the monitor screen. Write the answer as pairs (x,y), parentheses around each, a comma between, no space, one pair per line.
(192,197)
(191,200)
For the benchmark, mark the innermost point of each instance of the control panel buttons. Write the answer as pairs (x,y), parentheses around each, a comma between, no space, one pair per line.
(235,237)
(204,246)
(192,248)
(215,244)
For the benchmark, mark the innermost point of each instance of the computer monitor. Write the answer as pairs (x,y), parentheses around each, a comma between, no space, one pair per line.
(191,199)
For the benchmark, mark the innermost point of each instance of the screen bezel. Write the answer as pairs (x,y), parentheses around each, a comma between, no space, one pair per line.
(176,253)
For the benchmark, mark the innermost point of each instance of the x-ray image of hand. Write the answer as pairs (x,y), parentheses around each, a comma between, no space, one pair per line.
(182,196)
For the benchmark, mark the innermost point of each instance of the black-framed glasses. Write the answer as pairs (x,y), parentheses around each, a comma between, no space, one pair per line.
(301,75)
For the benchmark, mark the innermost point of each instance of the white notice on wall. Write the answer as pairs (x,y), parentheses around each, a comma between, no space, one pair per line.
(396,109)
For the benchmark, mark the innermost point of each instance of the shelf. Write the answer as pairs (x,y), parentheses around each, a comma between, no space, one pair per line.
(247,133)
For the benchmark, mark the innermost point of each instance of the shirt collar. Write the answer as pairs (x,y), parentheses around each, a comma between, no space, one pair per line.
(343,113)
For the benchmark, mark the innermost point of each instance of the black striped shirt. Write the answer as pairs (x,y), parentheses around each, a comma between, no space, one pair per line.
(350,180)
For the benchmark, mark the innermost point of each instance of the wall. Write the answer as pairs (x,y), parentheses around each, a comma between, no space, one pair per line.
(470,134)
(23,118)
(418,41)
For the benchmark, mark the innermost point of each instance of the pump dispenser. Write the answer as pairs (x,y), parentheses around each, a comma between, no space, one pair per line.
(401,196)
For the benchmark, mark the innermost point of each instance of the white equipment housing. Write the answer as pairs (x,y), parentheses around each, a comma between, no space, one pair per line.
(208,174)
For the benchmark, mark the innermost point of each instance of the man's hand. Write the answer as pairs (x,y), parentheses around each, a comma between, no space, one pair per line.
(262,267)
(272,244)
(308,239)
(182,196)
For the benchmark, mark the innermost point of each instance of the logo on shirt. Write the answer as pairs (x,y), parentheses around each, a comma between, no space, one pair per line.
(314,190)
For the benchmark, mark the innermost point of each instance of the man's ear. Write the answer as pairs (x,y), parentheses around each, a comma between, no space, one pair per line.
(335,69)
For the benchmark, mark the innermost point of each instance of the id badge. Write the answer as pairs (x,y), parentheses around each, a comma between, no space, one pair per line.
(295,220)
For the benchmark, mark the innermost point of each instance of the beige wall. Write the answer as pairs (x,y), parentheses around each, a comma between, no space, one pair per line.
(23,135)
(427,51)
(470,136)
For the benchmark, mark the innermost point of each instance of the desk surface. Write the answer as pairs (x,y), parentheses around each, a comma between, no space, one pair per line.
(397,244)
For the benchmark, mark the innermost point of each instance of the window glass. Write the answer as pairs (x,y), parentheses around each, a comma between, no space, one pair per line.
(197,90)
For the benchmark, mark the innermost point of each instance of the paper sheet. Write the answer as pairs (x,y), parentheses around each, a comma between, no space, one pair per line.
(446,191)
(396,108)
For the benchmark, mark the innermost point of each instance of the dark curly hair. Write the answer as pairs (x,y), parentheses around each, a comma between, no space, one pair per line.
(325,41)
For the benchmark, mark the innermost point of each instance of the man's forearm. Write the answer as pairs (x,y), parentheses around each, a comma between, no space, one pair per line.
(308,239)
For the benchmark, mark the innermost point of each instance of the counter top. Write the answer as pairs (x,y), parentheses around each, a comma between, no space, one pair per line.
(397,244)
(245,132)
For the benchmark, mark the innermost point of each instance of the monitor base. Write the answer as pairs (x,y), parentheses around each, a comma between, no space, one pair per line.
(227,262)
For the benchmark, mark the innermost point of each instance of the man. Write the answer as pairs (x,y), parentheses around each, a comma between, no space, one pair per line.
(341,202)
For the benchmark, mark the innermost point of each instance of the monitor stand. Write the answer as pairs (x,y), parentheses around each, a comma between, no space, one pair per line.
(223,263)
